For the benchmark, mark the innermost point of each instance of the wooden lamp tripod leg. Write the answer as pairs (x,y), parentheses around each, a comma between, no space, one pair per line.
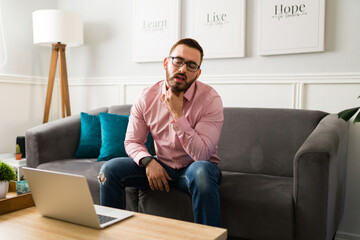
(65,98)
(54,57)
(58,49)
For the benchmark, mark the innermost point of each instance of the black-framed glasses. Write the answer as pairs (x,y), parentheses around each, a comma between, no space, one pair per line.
(179,62)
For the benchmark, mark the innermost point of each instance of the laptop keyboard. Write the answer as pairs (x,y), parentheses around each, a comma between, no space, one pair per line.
(104,219)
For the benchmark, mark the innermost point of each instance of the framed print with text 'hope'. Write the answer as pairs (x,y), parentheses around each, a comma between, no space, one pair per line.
(291,26)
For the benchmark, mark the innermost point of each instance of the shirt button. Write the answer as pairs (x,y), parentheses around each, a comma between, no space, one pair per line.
(176,128)
(172,145)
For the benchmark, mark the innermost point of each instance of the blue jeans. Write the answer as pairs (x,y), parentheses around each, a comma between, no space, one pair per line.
(201,179)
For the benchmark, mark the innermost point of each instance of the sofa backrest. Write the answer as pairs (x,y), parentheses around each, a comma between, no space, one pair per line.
(120,109)
(264,140)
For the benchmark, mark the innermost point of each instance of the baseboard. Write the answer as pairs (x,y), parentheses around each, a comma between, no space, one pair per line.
(347,236)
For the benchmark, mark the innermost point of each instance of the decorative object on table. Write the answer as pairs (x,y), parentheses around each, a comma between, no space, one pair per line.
(6,174)
(18,152)
(156,25)
(348,113)
(219,27)
(21,141)
(57,28)
(288,26)
(22,187)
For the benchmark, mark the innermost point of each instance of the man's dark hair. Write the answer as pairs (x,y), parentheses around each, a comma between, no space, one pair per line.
(190,43)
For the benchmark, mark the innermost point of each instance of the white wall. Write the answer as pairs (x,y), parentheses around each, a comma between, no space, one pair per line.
(22,92)
(102,73)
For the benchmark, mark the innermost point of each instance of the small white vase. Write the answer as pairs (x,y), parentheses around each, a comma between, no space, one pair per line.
(4,187)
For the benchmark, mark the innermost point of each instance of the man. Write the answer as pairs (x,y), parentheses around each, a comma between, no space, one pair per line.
(185,118)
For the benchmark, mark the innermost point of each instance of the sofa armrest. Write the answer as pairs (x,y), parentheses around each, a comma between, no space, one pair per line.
(319,180)
(54,140)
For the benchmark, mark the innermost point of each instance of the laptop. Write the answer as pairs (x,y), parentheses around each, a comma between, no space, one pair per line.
(67,197)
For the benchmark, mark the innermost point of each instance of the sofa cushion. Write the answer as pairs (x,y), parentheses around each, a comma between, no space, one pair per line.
(113,132)
(264,141)
(253,206)
(257,206)
(90,137)
(175,204)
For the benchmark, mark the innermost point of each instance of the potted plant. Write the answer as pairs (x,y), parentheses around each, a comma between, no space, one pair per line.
(348,113)
(18,153)
(6,174)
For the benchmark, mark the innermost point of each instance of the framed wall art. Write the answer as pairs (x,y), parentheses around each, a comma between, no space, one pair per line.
(291,26)
(219,27)
(156,27)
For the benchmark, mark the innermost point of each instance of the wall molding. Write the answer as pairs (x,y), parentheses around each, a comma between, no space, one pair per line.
(22,79)
(316,78)
(297,82)
(326,78)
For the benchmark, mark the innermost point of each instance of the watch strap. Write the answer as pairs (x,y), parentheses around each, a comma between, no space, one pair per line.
(146,160)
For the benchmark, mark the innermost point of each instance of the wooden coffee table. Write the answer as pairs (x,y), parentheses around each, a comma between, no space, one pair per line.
(29,224)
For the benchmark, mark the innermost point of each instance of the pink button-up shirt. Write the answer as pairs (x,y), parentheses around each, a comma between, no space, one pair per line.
(192,137)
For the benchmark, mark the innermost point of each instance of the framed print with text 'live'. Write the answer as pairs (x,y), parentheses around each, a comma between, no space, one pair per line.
(219,27)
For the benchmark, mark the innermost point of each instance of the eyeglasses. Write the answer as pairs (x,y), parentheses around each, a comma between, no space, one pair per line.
(179,62)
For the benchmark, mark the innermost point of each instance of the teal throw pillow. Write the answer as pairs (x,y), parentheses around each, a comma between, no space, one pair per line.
(90,137)
(113,132)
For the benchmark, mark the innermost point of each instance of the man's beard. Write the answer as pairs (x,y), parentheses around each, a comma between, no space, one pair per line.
(177,86)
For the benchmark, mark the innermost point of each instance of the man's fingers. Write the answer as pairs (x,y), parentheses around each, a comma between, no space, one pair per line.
(166,184)
(157,177)
(151,185)
(155,185)
(160,185)
(167,176)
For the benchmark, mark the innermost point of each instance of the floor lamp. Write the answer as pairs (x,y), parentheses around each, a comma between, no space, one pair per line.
(58,29)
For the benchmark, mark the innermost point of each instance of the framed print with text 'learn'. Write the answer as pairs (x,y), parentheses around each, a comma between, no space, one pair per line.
(156,27)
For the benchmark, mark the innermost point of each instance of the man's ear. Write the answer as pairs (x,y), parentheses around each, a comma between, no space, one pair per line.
(165,63)
(198,74)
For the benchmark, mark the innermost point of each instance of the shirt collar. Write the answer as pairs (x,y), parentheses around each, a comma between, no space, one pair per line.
(188,94)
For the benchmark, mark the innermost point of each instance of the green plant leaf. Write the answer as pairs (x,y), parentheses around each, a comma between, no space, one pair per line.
(348,113)
(6,172)
(357,118)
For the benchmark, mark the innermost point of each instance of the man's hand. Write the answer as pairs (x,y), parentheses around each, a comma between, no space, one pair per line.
(174,103)
(157,176)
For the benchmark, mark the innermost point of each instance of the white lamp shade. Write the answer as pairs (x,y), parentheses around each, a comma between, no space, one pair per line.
(54,26)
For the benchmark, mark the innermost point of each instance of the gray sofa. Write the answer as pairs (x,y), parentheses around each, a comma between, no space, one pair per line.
(283,171)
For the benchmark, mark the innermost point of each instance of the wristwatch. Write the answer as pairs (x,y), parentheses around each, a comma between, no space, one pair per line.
(146,160)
